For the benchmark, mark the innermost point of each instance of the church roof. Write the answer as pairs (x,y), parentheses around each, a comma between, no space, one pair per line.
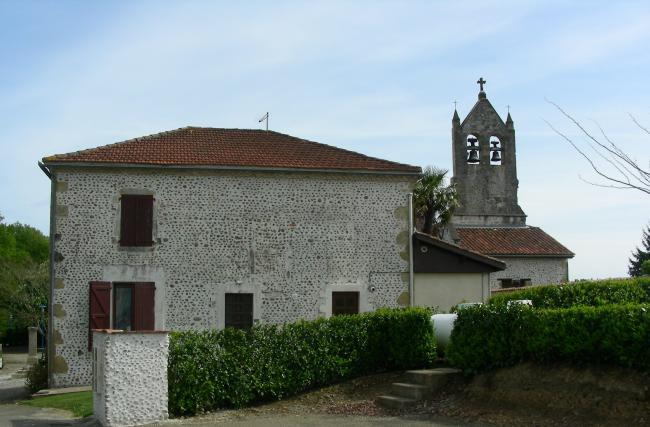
(514,241)
(483,112)
(229,148)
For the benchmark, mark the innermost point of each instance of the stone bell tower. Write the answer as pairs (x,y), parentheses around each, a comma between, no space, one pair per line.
(485,168)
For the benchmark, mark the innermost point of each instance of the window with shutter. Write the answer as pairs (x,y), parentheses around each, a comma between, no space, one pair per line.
(136,220)
(133,306)
(99,308)
(345,303)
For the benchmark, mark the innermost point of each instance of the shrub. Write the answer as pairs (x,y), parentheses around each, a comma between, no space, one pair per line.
(36,378)
(591,293)
(495,336)
(231,368)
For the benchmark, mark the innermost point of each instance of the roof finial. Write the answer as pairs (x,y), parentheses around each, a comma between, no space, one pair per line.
(481,82)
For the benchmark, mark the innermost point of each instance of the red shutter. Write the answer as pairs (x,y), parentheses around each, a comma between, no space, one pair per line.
(99,304)
(136,220)
(143,303)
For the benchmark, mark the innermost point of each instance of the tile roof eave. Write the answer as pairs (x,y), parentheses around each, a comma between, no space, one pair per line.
(529,255)
(415,171)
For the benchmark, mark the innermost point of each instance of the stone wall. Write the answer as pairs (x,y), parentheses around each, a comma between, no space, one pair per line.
(288,238)
(130,377)
(541,271)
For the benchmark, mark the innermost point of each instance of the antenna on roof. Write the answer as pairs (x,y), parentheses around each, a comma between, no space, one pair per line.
(265,117)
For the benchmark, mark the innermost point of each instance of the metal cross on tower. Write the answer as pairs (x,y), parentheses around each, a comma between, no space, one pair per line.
(481,82)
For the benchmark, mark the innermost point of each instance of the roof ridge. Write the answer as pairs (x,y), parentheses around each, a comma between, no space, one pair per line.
(341,149)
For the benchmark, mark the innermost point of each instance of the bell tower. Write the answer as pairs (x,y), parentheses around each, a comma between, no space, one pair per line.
(485,168)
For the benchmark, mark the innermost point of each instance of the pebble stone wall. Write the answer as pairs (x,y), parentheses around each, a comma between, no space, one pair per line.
(541,271)
(130,385)
(289,238)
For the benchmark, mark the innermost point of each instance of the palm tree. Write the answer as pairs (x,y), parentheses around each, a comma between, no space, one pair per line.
(434,201)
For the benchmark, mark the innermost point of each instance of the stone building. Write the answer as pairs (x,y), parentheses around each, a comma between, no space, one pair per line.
(489,219)
(200,228)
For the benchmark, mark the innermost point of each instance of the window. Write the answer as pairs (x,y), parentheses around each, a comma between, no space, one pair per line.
(239,311)
(514,283)
(131,306)
(345,303)
(136,220)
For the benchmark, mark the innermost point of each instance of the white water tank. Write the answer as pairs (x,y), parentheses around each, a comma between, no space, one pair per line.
(442,326)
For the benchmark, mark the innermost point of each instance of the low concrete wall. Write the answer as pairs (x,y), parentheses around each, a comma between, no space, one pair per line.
(130,377)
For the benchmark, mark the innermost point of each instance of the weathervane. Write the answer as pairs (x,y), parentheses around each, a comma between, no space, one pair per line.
(265,117)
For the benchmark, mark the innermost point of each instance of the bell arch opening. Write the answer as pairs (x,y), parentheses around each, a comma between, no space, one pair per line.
(473,152)
(496,151)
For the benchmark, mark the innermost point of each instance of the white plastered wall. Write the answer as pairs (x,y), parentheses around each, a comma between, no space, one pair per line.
(444,290)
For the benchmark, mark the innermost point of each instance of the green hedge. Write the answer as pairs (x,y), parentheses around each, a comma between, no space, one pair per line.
(494,336)
(231,368)
(591,293)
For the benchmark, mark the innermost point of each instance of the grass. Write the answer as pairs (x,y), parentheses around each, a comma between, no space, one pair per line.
(79,403)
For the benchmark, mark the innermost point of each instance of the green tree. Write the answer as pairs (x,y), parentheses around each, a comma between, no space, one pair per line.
(24,277)
(645,267)
(640,255)
(434,201)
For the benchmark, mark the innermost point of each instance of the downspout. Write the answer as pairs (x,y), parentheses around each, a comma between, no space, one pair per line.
(50,315)
(410,237)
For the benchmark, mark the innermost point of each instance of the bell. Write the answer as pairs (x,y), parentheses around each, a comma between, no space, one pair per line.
(473,156)
(496,156)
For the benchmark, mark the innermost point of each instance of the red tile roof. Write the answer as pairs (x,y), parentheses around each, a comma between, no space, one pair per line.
(515,241)
(196,146)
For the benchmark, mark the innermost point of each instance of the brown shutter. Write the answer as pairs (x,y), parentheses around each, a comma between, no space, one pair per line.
(143,303)
(99,308)
(145,213)
(136,220)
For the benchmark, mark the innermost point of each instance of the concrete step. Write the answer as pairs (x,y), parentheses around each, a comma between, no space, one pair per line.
(410,391)
(395,402)
(434,378)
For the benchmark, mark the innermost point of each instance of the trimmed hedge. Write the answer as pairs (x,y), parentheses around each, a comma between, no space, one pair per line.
(494,336)
(591,293)
(232,368)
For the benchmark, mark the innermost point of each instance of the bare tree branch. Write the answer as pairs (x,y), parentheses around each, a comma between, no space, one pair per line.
(625,173)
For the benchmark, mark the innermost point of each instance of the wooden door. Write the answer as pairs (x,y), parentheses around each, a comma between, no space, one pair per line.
(239,311)
(345,303)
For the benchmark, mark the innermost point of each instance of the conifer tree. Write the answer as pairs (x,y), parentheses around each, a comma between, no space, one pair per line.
(640,255)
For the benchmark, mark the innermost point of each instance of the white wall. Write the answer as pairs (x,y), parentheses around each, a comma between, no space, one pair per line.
(288,238)
(444,290)
(130,377)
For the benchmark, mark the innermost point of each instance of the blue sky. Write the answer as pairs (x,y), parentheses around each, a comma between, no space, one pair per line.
(375,77)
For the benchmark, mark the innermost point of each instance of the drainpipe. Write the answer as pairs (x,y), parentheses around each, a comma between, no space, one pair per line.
(50,315)
(410,237)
